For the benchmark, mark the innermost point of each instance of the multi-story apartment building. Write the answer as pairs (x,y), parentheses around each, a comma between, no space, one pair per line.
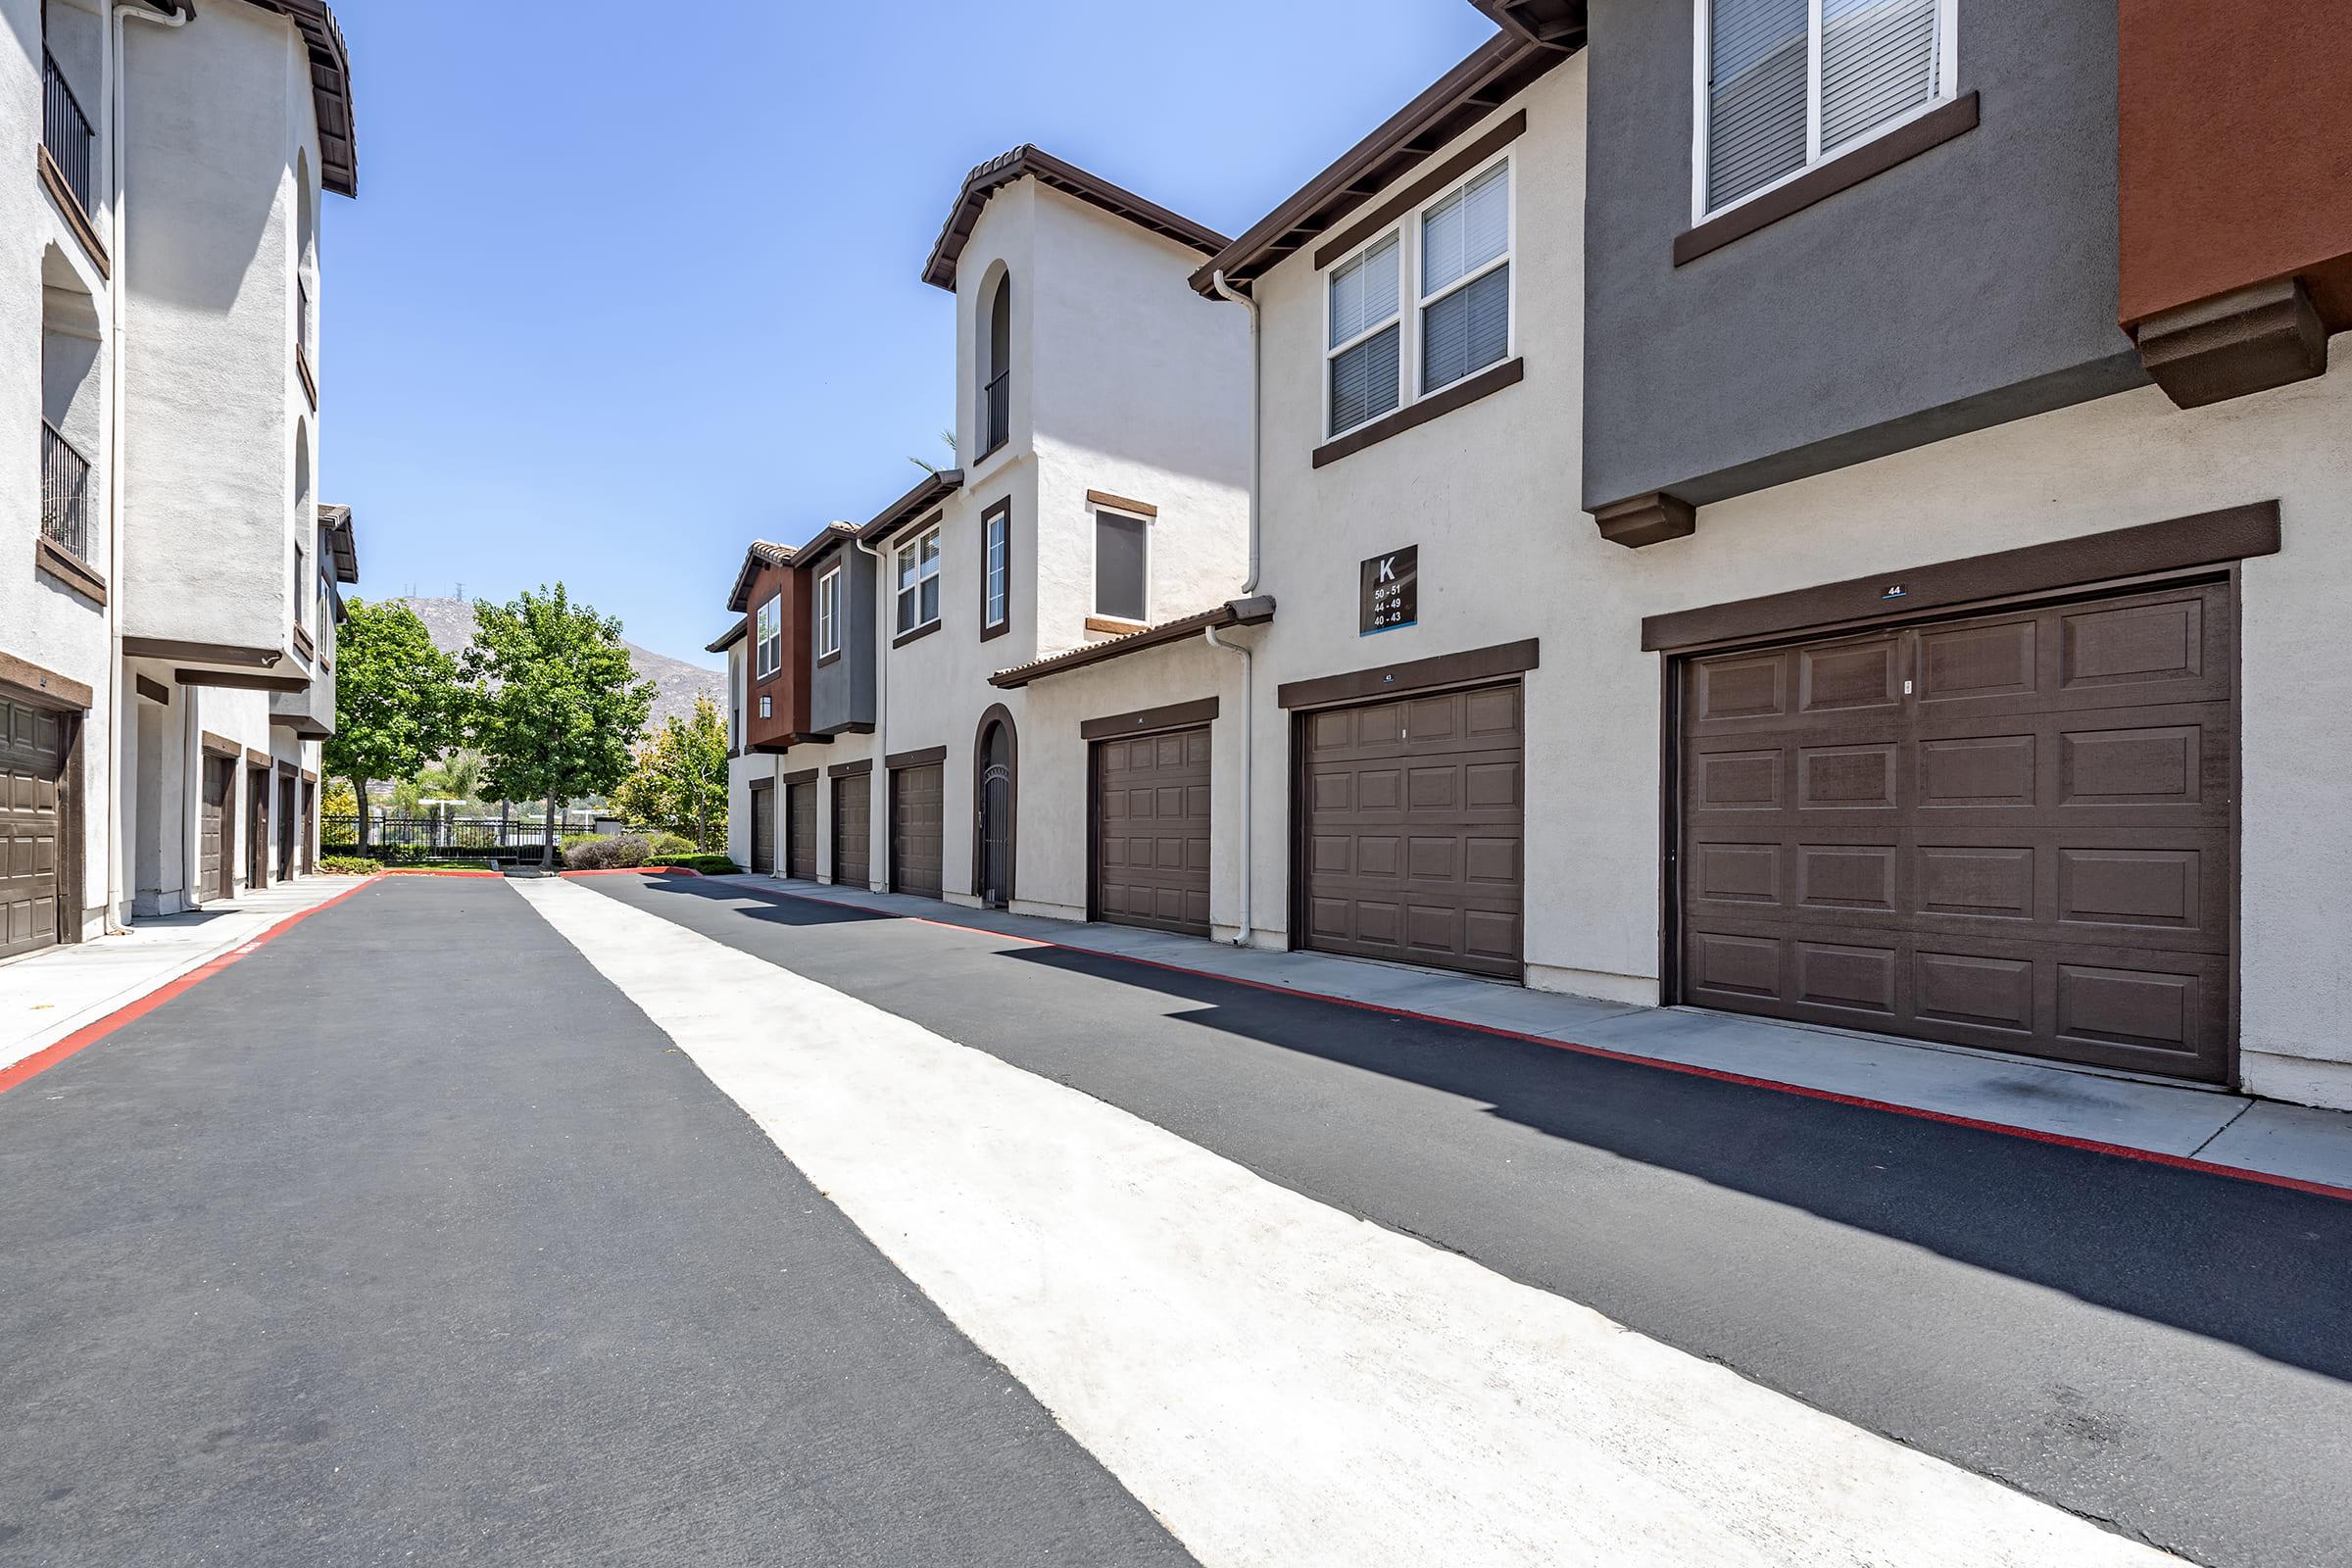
(167,636)
(1101,412)
(1823,511)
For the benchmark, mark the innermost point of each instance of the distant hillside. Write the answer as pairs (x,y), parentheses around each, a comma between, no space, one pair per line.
(676,683)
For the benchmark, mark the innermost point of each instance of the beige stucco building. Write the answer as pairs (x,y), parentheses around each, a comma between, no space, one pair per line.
(166,641)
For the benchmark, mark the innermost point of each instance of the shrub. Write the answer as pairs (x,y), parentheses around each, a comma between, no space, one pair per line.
(667,847)
(606,854)
(707,864)
(347,865)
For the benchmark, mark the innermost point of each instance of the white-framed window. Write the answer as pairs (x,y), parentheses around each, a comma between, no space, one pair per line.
(1364,345)
(995,569)
(918,582)
(1122,565)
(828,614)
(1451,258)
(767,706)
(1784,84)
(767,627)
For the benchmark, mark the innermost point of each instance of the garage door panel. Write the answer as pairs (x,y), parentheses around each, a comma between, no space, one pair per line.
(800,830)
(1414,830)
(1151,831)
(2040,831)
(853,831)
(917,842)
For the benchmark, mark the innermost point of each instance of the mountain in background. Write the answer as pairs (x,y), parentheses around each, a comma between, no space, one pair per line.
(676,683)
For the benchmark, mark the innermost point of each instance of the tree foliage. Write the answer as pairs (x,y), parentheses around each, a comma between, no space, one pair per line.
(398,704)
(556,707)
(680,782)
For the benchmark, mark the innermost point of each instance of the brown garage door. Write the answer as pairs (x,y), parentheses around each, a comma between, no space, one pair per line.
(800,830)
(853,831)
(916,797)
(2012,830)
(33,825)
(1413,830)
(212,863)
(763,828)
(1151,831)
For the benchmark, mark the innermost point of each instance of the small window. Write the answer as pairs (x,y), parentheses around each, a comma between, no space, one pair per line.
(1363,347)
(1787,83)
(995,569)
(1466,279)
(1121,557)
(918,582)
(769,631)
(828,614)
(302,589)
(767,706)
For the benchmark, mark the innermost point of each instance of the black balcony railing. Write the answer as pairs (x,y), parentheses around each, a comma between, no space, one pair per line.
(65,494)
(65,131)
(996,412)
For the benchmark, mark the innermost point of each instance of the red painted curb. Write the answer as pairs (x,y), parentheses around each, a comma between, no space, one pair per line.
(90,1034)
(2030,1134)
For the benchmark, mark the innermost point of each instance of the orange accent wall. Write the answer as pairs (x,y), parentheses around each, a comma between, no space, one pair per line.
(2235,150)
(788,688)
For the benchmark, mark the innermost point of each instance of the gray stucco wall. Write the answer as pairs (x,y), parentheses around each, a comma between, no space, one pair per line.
(1973,284)
(841,693)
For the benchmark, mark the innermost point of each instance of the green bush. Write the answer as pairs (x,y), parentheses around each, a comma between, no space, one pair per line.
(669,846)
(618,852)
(707,864)
(347,865)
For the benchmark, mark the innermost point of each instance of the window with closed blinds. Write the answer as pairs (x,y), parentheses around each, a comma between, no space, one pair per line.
(1789,83)
(1466,279)
(1122,585)
(1364,341)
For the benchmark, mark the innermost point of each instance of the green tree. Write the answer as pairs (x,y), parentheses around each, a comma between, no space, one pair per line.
(680,784)
(397,699)
(556,707)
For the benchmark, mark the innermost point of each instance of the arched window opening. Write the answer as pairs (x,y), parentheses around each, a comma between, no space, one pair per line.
(995,368)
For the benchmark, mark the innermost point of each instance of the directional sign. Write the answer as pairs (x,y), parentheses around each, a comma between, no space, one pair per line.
(1391,594)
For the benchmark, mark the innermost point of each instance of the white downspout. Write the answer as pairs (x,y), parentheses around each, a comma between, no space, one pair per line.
(1257,437)
(118,234)
(881,721)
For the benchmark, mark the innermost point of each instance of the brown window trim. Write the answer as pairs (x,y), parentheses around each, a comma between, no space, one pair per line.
(70,204)
(916,635)
(1115,626)
(2206,539)
(67,567)
(258,758)
(1149,720)
(805,775)
(833,658)
(303,643)
(1416,675)
(309,382)
(1141,509)
(1002,509)
(221,745)
(1847,170)
(1493,378)
(923,758)
(155,691)
(1420,191)
(858,769)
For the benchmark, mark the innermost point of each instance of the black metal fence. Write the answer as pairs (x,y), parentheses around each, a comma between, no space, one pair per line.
(450,838)
(64,493)
(996,411)
(65,132)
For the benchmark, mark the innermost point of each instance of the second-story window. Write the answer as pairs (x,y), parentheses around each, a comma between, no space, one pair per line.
(768,629)
(1122,559)
(1466,279)
(1787,83)
(918,582)
(995,368)
(1364,348)
(995,569)
(828,614)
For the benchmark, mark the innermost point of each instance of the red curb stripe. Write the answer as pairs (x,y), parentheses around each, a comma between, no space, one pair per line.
(2148,1157)
(90,1034)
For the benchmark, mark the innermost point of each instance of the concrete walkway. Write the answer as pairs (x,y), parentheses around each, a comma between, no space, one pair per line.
(2213,1126)
(50,995)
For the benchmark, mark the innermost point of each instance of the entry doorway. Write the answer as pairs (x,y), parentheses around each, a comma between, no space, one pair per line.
(993,797)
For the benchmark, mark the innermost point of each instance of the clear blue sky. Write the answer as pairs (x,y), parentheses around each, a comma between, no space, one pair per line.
(629,285)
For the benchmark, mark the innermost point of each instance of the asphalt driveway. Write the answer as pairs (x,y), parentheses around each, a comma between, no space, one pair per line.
(408,1239)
